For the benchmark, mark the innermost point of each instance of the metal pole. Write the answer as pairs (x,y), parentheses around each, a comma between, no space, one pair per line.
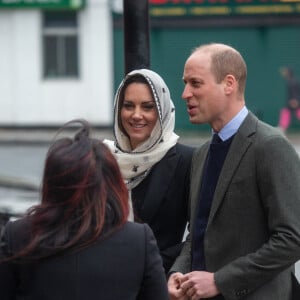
(136,34)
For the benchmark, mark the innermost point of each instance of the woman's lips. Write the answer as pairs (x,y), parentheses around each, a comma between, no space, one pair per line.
(137,126)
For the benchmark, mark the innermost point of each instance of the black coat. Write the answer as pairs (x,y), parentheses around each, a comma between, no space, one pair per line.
(161,201)
(125,266)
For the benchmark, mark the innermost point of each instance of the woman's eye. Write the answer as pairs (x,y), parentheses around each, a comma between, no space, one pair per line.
(144,106)
(127,105)
(149,106)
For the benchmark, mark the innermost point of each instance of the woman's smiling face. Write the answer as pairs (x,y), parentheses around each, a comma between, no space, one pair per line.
(138,113)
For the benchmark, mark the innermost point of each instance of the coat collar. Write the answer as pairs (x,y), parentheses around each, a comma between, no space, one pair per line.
(161,176)
(239,146)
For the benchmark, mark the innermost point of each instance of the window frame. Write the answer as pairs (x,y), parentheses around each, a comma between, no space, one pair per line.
(61,33)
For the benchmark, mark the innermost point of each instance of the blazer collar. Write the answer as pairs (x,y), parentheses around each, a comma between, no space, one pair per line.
(239,146)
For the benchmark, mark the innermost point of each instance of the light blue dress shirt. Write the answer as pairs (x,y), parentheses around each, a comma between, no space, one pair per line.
(233,125)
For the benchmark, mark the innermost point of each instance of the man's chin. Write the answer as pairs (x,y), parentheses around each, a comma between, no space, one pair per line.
(195,120)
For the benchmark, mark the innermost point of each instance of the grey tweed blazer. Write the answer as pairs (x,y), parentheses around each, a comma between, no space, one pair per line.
(252,238)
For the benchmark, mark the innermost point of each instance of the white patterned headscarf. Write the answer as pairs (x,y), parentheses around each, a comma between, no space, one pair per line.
(136,164)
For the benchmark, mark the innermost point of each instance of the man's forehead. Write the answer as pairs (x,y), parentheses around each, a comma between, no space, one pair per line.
(195,69)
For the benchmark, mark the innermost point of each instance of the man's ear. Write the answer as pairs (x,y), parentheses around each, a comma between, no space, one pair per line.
(230,84)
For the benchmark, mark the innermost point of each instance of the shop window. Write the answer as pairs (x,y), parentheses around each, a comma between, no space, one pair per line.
(60,44)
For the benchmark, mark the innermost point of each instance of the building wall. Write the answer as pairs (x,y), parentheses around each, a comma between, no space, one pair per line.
(27,99)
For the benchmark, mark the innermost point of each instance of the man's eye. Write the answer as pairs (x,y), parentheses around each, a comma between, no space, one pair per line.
(196,83)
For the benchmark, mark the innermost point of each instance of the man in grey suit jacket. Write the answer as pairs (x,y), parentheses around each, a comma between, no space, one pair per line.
(245,206)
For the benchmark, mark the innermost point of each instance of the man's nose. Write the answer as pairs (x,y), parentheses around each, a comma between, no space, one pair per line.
(186,93)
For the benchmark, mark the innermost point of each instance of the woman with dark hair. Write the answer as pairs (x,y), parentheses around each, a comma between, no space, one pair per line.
(155,167)
(77,244)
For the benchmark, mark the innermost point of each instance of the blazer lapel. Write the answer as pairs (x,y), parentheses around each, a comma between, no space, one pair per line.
(239,146)
(161,176)
(196,176)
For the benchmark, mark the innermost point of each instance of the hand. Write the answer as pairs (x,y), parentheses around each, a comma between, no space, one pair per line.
(199,285)
(174,287)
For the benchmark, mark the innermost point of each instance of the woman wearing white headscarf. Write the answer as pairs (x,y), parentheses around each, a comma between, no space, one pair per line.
(155,167)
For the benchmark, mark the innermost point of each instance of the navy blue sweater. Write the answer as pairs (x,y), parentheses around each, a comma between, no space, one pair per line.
(211,171)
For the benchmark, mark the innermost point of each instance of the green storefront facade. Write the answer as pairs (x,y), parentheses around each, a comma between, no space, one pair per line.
(267,42)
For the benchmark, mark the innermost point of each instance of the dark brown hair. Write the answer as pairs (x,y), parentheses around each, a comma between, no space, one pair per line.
(83,196)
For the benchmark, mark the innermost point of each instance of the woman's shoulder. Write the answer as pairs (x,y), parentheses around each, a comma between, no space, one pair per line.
(16,233)
(178,157)
(138,231)
(181,150)
(185,152)
(18,226)
(185,149)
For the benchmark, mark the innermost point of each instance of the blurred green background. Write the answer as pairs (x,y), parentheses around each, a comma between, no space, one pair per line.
(265,49)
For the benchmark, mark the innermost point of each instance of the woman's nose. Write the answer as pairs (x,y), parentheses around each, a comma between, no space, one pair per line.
(137,114)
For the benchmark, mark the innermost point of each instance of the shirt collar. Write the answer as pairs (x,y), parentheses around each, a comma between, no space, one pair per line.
(233,125)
